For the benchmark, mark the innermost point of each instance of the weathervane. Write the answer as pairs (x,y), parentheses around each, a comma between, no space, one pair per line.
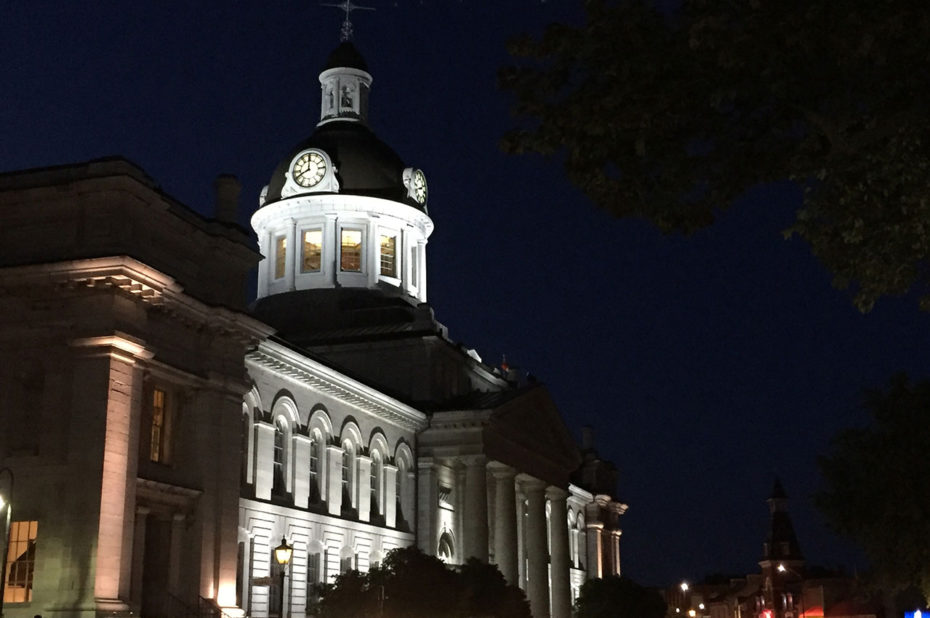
(348,6)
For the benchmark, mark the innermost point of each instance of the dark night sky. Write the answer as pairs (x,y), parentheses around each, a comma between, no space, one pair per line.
(707,365)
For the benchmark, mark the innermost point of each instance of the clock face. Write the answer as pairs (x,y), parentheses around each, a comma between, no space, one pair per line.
(419,186)
(309,169)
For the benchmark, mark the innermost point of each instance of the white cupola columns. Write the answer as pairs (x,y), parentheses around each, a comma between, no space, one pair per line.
(345,94)
(319,241)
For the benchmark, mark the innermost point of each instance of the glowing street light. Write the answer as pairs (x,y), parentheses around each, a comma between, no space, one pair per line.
(684,586)
(282,553)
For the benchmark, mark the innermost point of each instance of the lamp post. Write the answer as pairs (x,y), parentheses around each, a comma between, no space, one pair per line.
(282,553)
(6,507)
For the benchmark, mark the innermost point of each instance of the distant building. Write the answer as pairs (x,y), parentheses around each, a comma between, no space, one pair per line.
(165,436)
(785,587)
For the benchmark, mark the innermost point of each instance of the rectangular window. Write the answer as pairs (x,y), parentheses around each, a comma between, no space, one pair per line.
(388,255)
(351,255)
(413,266)
(312,255)
(20,562)
(159,437)
(280,256)
(313,569)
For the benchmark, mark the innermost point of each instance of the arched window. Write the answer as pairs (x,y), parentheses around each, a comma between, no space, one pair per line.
(446,547)
(375,484)
(348,481)
(314,469)
(400,482)
(278,487)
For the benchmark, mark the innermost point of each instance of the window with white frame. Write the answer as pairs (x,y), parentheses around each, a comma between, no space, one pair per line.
(314,468)
(278,458)
(280,256)
(348,467)
(311,258)
(388,248)
(350,257)
(375,483)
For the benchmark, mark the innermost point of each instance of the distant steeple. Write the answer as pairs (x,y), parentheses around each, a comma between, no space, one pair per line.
(781,544)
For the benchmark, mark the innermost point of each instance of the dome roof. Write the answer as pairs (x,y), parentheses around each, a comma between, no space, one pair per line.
(364,164)
(346,56)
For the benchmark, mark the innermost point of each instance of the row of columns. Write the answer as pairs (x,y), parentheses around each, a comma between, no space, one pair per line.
(546,573)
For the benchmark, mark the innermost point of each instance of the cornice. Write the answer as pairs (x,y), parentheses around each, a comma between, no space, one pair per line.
(144,284)
(295,366)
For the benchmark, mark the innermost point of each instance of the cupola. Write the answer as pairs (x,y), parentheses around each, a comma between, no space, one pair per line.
(342,209)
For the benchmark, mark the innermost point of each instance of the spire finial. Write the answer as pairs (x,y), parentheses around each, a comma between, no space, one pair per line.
(348,6)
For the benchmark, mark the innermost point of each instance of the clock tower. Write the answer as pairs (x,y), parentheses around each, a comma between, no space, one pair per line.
(342,210)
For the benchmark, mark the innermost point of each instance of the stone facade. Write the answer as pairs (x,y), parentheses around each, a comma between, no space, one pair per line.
(165,437)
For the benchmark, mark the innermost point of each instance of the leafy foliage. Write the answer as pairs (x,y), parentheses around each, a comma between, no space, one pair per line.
(670,116)
(618,597)
(877,490)
(410,584)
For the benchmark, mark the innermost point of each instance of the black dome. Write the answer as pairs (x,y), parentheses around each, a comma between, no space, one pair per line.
(364,164)
(346,56)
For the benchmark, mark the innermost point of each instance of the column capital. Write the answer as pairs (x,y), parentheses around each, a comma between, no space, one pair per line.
(501,470)
(473,460)
(119,344)
(530,484)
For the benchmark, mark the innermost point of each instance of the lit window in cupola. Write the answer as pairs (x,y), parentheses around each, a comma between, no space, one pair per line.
(280,256)
(351,254)
(388,255)
(312,251)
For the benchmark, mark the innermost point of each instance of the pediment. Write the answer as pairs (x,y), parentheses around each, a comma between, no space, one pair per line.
(528,433)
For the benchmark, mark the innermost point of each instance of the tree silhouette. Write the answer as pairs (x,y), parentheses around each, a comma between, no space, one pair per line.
(876,487)
(670,116)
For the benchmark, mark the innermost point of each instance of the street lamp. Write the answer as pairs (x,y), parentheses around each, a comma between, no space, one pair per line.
(6,504)
(282,553)
(781,568)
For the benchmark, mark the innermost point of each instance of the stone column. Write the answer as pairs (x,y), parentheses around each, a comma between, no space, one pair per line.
(107,411)
(177,545)
(363,487)
(428,502)
(264,455)
(421,270)
(389,505)
(292,255)
(594,546)
(537,576)
(475,541)
(138,555)
(615,551)
(333,493)
(300,469)
(560,563)
(505,522)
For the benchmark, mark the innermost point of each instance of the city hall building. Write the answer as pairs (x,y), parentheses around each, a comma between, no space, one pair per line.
(165,434)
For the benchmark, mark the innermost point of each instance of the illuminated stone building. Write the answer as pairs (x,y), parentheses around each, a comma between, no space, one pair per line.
(165,436)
